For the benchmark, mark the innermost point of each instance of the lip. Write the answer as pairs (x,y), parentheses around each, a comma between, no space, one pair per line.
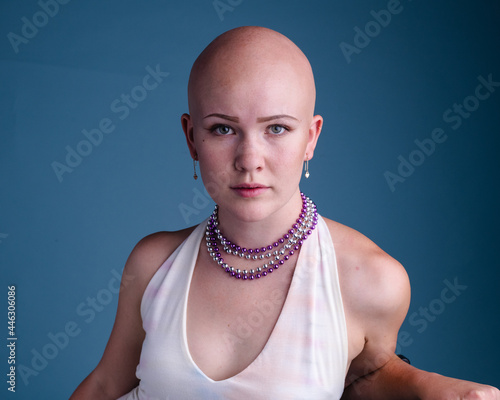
(249,189)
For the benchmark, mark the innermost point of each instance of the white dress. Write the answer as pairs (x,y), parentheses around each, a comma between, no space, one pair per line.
(304,358)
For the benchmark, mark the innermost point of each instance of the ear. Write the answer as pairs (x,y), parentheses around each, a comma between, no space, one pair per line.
(187,127)
(314,131)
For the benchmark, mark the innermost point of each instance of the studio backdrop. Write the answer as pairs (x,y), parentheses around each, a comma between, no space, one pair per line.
(93,158)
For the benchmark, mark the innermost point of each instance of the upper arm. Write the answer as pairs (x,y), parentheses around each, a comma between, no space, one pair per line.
(376,296)
(115,373)
(380,311)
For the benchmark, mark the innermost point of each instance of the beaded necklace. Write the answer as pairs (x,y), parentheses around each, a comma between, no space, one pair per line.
(273,255)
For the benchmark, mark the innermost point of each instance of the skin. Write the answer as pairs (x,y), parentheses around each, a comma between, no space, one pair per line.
(252,123)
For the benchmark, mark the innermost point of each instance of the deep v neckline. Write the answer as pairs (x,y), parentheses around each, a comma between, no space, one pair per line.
(271,338)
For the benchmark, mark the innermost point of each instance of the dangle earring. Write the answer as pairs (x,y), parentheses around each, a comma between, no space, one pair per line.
(194,168)
(306,167)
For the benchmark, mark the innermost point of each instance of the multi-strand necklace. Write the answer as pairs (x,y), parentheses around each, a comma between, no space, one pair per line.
(273,255)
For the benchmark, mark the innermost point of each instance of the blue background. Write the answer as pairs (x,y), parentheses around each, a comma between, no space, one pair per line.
(64,242)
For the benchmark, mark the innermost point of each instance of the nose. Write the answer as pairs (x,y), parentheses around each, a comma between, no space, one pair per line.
(249,154)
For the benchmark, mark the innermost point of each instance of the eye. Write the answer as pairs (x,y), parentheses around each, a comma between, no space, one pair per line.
(222,130)
(277,129)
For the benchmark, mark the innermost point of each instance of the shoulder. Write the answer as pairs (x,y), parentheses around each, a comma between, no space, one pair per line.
(151,252)
(373,284)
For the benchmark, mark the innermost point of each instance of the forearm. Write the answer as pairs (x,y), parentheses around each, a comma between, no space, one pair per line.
(396,380)
(91,388)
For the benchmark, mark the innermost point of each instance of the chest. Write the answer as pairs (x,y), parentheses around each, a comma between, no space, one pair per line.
(229,321)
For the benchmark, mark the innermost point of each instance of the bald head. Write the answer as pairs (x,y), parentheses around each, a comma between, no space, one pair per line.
(249,59)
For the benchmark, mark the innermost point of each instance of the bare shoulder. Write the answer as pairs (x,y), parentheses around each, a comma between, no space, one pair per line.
(115,373)
(151,252)
(372,282)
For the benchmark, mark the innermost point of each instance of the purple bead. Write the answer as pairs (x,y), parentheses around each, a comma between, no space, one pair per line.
(264,273)
(281,240)
(281,262)
(296,247)
(244,249)
(228,269)
(300,220)
(295,226)
(263,249)
(221,260)
(301,242)
(309,232)
(238,276)
(257,250)
(286,257)
(304,237)
(287,236)
(276,266)
(251,277)
(238,248)
(233,246)
(233,273)
(216,249)
(302,215)
(258,276)
(245,277)
(218,255)
(290,231)
(290,252)
(270,270)
(269,247)
(276,244)
(250,251)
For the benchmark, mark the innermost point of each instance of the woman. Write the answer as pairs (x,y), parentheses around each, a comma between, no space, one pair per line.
(265,299)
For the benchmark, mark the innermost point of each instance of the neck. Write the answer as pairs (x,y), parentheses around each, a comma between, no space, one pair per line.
(261,232)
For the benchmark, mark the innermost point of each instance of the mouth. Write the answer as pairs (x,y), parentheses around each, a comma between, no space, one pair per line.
(249,189)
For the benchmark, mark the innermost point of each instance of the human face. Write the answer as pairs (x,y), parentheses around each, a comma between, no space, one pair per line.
(251,132)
